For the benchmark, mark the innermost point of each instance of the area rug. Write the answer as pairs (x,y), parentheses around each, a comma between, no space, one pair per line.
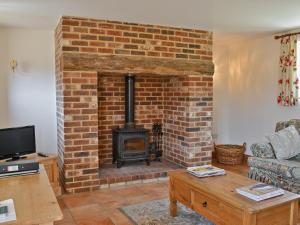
(157,213)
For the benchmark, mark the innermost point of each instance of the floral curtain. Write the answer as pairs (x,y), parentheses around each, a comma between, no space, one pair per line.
(288,81)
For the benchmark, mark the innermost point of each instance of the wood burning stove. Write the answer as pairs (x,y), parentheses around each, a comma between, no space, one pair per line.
(130,143)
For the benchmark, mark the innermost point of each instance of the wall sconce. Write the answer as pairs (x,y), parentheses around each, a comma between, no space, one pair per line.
(13,64)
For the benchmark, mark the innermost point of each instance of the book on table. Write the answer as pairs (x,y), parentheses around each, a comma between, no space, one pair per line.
(205,171)
(260,191)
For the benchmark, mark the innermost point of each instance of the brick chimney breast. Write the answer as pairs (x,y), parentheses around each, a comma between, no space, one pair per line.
(174,86)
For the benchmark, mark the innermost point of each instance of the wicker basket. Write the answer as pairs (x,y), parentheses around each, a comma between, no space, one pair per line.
(230,154)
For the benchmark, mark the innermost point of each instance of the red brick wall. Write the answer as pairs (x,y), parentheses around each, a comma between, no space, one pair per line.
(188,120)
(80,130)
(121,38)
(84,98)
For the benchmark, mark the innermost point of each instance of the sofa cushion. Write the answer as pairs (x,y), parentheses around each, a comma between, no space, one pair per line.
(284,124)
(286,143)
(287,169)
(296,158)
(262,150)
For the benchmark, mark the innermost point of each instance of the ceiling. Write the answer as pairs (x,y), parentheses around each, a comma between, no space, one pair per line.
(229,16)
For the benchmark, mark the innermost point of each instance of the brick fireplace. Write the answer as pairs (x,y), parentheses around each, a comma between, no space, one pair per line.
(173,70)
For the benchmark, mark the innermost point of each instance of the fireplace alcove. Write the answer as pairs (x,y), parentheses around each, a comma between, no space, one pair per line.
(178,98)
(159,99)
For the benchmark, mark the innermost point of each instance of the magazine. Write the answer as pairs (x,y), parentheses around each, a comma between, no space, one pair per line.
(205,171)
(7,211)
(260,191)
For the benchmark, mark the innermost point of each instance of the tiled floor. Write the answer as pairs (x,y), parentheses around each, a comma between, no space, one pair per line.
(101,207)
(134,173)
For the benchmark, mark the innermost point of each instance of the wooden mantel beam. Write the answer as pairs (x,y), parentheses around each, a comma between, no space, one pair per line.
(135,65)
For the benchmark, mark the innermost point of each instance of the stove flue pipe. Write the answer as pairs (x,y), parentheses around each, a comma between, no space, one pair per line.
(129,100)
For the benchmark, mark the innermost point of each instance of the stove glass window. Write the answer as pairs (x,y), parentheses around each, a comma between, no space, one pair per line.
(134,144)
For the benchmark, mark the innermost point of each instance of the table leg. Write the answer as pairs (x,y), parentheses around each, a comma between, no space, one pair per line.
(173,208)
(294,213)
(173,201)
(249,218)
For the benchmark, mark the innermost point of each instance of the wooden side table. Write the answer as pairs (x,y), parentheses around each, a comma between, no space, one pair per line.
(51,167)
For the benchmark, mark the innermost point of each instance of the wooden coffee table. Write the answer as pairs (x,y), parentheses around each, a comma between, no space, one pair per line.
(216,199)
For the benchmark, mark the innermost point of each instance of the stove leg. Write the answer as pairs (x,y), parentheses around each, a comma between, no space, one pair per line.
(148,162)
(119,164)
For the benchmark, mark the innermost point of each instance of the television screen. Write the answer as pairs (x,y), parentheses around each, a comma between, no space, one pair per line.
(15,142)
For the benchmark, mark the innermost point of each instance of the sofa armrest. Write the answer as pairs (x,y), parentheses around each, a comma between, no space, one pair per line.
(288,169)
(263,150)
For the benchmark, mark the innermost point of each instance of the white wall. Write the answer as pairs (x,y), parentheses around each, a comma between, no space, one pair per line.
(245,90)
(27,96)
(4,119)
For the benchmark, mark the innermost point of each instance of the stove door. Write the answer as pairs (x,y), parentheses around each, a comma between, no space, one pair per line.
(134,146)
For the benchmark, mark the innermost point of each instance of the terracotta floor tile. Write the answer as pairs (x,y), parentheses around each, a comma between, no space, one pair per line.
(93,213)
(124,192)
(107,198)
(77,200)
(61,203)
(72,201)
(67,219)
(118,218)
(114,204)
(65,223)
(95,221)
(141,198)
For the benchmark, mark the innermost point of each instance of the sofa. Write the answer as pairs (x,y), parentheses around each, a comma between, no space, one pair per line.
(264,166)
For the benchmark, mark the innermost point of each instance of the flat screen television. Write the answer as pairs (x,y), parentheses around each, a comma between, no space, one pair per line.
(15,142)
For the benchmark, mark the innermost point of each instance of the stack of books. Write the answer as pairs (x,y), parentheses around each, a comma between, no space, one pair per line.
(205,171)
(260,191)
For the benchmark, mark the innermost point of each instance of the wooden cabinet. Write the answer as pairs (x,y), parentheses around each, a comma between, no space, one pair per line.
(50,164)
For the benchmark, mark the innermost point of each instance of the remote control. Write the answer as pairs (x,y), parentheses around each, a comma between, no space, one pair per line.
(42,154)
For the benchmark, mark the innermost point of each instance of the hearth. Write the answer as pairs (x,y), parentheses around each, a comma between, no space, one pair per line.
(130,143)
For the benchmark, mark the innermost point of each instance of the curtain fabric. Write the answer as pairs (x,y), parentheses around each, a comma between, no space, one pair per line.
(288,81)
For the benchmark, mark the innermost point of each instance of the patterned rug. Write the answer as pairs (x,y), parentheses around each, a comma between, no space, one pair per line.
(157,213)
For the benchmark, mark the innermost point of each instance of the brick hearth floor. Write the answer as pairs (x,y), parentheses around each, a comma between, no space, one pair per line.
(101,207)
(135,173)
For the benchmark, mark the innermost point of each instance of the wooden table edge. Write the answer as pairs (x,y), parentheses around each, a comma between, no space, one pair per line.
(41,222)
